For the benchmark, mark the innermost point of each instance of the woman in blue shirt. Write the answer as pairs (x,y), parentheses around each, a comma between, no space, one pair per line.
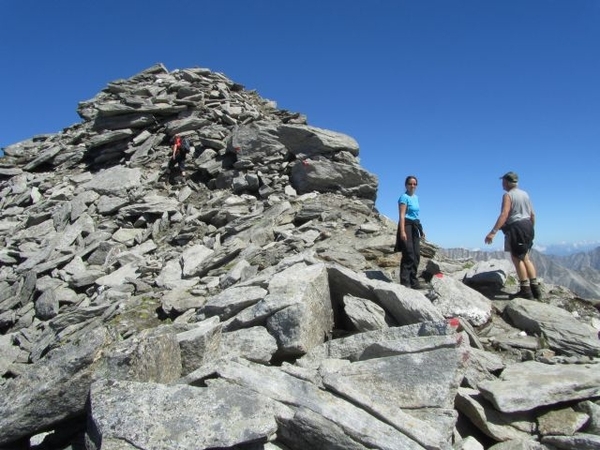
(410,233)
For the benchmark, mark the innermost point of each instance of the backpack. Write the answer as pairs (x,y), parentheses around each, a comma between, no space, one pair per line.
(184,143)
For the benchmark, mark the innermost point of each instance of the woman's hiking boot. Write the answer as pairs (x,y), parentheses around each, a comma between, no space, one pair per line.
(536,291)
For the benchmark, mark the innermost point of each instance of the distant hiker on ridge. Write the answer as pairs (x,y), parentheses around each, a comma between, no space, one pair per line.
(517,220)
(180,148)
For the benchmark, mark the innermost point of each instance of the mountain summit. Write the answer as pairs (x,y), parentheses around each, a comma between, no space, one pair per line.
(253,302)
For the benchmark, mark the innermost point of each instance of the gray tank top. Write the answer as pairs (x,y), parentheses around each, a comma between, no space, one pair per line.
(520,205)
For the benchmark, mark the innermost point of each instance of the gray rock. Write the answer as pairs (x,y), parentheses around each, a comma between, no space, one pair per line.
(114,180)
(193,258)
(495,424)
(528,385)
(364,314)
(308,429)
(374,383)
(151,204)
(178,301)
(356,423)
(593,411)
(182,416)
(564,421)
(171,276)
(561,330)
(200,344)
(492,273)
(353,346)
(127,236)
(151,356)
(580,441)
(308,141)
(405,306)
(519,444)
(110,204)
(323,175)
(454,299)
(46,305)
(309,317)
(468,443)
(119,276)
(254,344)
(9,352)
(231,301)
(28,405)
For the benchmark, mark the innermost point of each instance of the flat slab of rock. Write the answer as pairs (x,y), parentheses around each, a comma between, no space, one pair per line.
(528,385)
(362,427)
(218,416)
(563,332)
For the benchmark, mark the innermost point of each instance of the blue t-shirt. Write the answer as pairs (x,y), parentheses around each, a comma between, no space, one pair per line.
(412,205)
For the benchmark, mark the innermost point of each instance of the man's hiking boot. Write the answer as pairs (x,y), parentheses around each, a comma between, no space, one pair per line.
(536,290)
(524,292)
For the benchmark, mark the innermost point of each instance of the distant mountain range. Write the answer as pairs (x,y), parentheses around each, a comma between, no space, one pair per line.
(566,248)
(579,272)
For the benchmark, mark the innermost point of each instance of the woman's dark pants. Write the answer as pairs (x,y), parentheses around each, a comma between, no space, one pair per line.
(411,256)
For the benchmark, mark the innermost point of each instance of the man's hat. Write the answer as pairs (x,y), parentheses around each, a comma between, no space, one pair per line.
(511,177)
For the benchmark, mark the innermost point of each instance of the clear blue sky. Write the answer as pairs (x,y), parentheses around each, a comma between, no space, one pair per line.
(455,92)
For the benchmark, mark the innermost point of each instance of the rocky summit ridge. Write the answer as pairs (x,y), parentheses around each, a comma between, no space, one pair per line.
(255,303)
(578,272)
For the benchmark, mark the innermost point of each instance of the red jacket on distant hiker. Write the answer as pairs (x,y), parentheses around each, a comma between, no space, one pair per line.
(179,152)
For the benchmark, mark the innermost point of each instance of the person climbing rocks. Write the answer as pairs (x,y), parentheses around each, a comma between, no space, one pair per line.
(179,150)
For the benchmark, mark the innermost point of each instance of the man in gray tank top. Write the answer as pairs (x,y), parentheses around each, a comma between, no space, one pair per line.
(517,220)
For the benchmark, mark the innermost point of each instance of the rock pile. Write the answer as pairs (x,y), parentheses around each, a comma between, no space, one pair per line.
(254,304)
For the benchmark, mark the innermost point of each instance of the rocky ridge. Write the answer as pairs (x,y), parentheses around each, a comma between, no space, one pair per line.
(254,304)
(579,272)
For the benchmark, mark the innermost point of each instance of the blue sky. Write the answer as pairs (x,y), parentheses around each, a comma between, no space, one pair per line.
(454,92)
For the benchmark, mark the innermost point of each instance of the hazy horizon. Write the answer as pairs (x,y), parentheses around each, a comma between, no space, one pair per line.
(561,249)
